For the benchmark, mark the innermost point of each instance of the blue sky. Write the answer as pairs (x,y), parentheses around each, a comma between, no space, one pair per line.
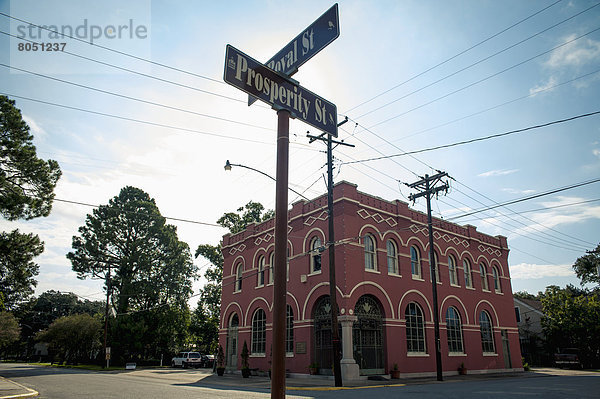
(410,75)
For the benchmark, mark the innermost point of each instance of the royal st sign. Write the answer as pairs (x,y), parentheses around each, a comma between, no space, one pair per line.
(304,46)
(262,82)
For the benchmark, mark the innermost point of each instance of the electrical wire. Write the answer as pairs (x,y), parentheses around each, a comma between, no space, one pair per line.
(454,56)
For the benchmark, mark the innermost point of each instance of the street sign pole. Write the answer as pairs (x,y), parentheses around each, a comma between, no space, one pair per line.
(281,230)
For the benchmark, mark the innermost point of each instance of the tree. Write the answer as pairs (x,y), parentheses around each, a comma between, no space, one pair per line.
(571,321)
(26,182)
(9,329)
(17,269)
(149,267)
(26,191)
(587,267)
(73,338)
(205,320)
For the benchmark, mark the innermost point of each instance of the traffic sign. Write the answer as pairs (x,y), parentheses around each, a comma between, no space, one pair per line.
(279,91)
(304,46)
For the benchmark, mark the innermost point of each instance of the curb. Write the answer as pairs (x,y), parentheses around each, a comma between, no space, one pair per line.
(342,388)
(29,394)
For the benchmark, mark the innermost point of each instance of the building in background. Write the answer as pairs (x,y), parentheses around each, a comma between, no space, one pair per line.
(529,315)
(384,292)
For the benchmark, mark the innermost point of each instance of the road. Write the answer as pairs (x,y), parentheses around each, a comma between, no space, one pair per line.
(53,383)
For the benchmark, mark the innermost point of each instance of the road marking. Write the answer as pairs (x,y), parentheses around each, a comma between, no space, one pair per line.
(341,388)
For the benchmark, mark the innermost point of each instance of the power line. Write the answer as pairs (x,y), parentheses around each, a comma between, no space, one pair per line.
(478,139)
(553,191)
(484,79)
(137,213)
(477,62)
(113,50)
(135,99)
(455,56)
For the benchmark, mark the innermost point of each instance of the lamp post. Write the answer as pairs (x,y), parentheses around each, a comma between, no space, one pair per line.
(229,165)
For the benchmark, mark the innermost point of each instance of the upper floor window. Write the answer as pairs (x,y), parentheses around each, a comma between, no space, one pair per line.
(261,271)
(259,327)
(484,280)
(487,336)
(316,248)
(271,266)
(370,254)
(496,277)
(415,262)
(392,257)
(238,277)
(467,271)
(415,328)
(452,270)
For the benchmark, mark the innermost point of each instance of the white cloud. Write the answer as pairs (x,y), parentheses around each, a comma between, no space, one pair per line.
(574,54)
(543,87)
(34,127)
(526,271)
(498,172)
(515,191)
(596,152)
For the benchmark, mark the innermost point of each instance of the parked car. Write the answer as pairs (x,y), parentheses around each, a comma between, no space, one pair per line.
(567,357)
(208,360)
(187,359)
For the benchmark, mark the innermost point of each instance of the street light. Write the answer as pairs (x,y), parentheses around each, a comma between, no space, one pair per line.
(229,165)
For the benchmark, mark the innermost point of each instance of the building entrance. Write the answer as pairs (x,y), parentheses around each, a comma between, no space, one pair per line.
(367,336)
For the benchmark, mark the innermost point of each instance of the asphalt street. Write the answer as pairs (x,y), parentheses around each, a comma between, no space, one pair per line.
(54,383)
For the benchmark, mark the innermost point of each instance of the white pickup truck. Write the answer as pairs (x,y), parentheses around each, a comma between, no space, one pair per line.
(187,359)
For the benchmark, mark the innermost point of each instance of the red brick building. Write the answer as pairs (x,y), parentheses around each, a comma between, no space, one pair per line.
(384,291)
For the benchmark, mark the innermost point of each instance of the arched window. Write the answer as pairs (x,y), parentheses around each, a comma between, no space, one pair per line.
(452,270)
(261,271)
(238,277)
(496,277)
(487,337)
(454,331)
(415,262)
(415,328)
(271,266)
(259,324)
(289,330)
(392,257)
(467,271)
(315,254)
(370,255)
(484,280)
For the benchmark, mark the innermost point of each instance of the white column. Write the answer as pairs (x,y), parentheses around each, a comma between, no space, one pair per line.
(350,370)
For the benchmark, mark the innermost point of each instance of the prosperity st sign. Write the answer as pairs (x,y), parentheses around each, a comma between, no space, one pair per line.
(303,47)
(262,82)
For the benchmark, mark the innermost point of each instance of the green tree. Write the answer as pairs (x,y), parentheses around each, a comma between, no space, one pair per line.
(26,191)
(572,321)
(26,182)
(205,319)
(149,267)
(587,267)
(17,269)
(73,338)
(9,329)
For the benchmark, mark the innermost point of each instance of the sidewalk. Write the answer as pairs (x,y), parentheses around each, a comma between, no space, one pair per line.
(10,389)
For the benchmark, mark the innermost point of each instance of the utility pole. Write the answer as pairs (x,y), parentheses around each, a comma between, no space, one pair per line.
(427,186)
(106,354)
(335,336)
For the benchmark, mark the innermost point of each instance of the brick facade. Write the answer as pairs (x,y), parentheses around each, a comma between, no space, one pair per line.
(384,306)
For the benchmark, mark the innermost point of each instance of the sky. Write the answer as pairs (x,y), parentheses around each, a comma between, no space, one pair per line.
(147,106)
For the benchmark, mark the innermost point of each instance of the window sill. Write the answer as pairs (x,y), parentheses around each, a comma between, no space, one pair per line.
(372,271)
(417,354)
(470,288)
(490,354)
(454,285)
(484,290)
(258,355)
(499,292)
(314,273)
(289,354)
(236,292)
(457,354)
(394,274)
(259,286)
(417,278)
